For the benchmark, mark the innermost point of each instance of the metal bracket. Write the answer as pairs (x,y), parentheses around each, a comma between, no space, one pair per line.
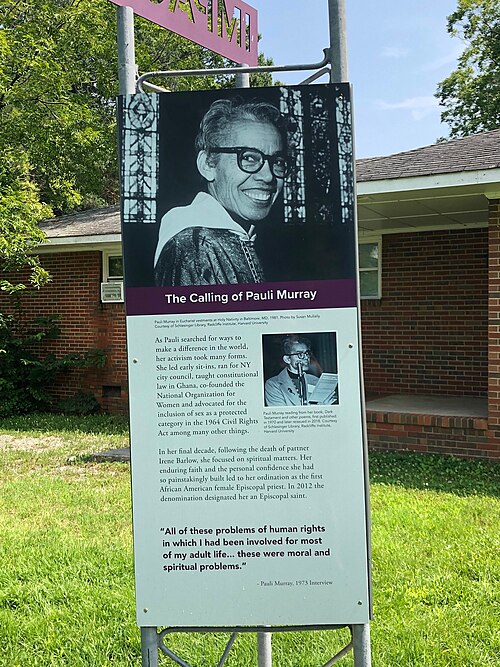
(141,81)
(159,638)
(316,75)
(180,661)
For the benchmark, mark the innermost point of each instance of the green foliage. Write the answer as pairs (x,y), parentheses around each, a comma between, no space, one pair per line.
(25,372)
(56,93)
(58,83)
(20,211)
(263,78)
(471,93)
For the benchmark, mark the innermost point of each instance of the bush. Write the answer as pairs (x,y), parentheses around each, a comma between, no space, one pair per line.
(82,403)
(25,372)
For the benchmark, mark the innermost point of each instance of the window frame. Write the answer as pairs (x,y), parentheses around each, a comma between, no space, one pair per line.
(106,256)
(106,277)
(378,242)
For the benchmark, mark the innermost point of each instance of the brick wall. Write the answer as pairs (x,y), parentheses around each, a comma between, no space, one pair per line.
(494,326)
(85,323)
(428,332)
(431,434)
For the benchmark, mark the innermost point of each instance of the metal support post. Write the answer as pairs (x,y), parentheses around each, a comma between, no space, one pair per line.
(242,80)
(149,647)
(361,645)
(126,86)
(339,73)
(141,81)
(338,41)
(126,50)
(264,649)
(264,646)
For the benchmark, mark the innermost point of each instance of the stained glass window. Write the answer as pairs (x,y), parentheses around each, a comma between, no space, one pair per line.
(140,158)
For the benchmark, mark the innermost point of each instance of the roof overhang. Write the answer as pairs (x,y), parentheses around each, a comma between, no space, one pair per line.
(79,243)
(426,203)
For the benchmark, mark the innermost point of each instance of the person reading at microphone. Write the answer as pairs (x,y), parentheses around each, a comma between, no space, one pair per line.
(294,384)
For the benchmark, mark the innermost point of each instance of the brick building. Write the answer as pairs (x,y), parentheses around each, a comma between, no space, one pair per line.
(429,240)
(431,339)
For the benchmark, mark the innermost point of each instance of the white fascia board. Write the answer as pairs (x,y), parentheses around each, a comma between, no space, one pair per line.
(79,243)
(487,179)
(370,235)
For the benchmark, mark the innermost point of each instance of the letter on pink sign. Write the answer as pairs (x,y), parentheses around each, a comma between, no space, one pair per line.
(235,37)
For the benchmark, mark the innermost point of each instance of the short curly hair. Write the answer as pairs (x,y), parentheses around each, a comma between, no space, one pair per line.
(289,341)
(215,122)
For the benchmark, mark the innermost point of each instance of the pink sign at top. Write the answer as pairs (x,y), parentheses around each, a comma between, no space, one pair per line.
(228,27)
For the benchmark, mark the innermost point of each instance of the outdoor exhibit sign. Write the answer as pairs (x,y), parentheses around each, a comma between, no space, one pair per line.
(227,27)
(248,461)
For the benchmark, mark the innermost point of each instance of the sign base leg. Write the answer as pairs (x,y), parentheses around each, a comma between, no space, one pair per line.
(149,647)
(361,645)
(264,649)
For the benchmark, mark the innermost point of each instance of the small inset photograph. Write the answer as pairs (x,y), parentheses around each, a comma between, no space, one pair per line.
(300,369)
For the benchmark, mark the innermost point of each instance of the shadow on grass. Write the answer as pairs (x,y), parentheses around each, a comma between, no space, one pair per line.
(113,455)
(435,473)
(46,422)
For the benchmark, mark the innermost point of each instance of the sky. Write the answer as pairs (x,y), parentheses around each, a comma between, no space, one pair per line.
(398,51)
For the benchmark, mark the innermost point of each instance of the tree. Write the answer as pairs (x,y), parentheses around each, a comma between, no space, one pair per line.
(471,93)
(20,211)
(58,84)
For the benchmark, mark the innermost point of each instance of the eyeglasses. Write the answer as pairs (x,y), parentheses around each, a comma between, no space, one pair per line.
(301,355)
(251,160)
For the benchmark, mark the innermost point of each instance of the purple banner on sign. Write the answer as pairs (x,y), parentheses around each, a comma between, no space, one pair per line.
(227,27)
(312,294)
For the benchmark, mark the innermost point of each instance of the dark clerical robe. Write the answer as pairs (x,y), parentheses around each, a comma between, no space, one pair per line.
(201,244)
(201,256)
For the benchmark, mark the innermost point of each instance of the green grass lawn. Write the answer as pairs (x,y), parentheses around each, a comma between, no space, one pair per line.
(66,571)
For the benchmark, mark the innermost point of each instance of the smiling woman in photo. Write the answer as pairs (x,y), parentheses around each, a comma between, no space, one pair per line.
(241,155)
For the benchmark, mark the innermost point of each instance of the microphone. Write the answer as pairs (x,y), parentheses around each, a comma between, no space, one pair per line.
(302,384)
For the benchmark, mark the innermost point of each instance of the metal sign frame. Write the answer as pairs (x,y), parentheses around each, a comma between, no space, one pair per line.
(334,62)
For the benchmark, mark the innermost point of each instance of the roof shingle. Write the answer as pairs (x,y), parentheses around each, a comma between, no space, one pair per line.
(100,221)
(474,153)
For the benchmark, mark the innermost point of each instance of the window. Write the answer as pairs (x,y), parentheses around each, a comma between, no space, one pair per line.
(369,270)
(114,267)
(112,276)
